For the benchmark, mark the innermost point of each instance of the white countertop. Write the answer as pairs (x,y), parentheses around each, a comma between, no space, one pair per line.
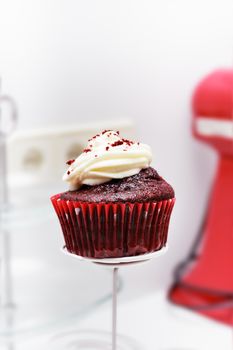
(150,321)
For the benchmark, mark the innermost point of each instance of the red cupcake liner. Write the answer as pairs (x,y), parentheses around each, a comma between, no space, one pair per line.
(102,230)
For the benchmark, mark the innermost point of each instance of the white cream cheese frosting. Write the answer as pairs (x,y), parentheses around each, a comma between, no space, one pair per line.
(107,157)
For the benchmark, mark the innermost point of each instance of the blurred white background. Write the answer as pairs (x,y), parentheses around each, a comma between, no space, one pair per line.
(67,61)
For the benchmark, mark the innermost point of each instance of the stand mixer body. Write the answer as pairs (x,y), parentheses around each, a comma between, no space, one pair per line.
(205,281)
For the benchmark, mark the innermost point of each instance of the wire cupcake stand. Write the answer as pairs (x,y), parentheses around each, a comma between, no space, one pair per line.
(103,340)
(6,128)
(24,312)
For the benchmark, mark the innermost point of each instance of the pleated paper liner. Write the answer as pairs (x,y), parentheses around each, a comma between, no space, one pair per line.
(101,230)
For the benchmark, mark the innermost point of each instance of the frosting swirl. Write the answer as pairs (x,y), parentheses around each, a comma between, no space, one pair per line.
(107,157)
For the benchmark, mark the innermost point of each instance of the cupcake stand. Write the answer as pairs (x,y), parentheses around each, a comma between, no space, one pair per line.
(7,305)
(105,341)
(10,219)
(26,307)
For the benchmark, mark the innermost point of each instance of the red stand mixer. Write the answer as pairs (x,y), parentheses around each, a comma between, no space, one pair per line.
(204,282)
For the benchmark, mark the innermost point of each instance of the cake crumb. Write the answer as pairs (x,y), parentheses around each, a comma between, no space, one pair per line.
(71,161)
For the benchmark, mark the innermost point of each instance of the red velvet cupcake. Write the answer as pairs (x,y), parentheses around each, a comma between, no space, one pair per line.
(117,204)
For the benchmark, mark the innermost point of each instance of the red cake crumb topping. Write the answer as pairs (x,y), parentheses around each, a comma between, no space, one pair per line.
(68,172)
(94,137)
(117,143)
(71,161)
(128,142)
(104,132)
(120,142)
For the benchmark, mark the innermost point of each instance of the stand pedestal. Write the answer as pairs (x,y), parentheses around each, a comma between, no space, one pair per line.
(102,340)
